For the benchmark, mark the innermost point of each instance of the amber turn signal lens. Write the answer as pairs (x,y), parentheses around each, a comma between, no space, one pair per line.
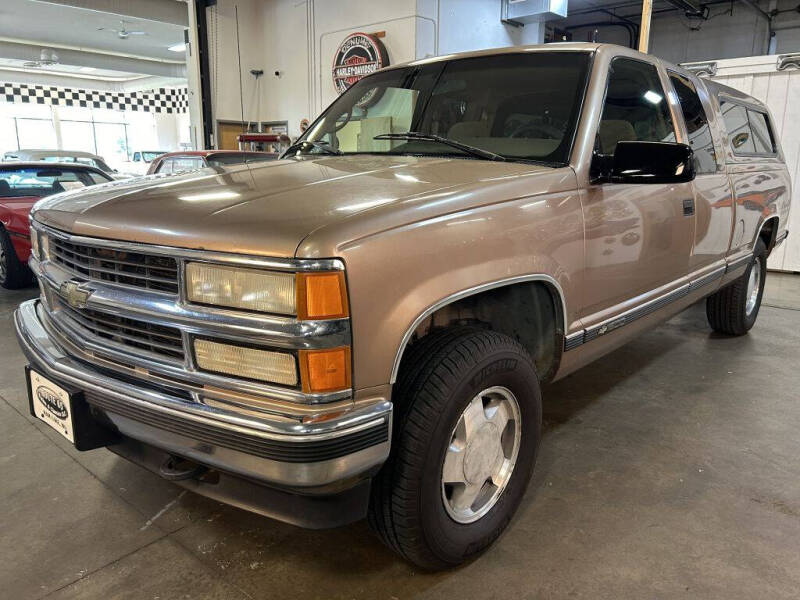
(321,295)
(325,370)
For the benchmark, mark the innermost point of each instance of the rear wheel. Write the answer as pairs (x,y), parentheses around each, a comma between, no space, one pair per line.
(733,310)
(13,273)
(467,428)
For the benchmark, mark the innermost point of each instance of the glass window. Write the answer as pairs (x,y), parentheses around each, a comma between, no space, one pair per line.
(697,127)
(112,143)
(41,182)
(762,135)
(521,106)
(8,135)
(187,163)
(635,107)
(232,158)
(165,166)
(36,133)
(738,126)
(98,178)
(77,135)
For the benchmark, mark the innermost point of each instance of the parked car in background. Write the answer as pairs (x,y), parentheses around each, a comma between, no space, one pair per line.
(363,328)
(140,161)
(180,162)
(21,185)
(65,156)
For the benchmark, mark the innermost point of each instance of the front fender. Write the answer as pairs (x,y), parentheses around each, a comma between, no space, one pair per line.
(398,277)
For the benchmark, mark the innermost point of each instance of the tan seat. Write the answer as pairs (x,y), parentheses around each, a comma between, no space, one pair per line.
(468,129)
(615,130)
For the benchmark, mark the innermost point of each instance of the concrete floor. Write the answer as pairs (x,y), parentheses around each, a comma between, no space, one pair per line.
(668,469)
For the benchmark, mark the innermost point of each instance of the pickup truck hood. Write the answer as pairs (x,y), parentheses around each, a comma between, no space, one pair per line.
(266,209)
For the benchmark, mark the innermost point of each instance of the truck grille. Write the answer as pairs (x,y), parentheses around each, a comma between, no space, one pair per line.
(156,339)
(151,272)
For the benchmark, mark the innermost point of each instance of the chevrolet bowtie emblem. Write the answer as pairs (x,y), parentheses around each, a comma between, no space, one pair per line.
(76,293)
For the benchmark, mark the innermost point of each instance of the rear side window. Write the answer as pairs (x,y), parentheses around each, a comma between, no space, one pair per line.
(635,107)
(697,128)
(762,136)
(749,130)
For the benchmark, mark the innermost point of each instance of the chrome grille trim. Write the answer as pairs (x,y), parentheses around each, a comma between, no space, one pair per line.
(245,260)
(156,339)
(135,269)
(154,308)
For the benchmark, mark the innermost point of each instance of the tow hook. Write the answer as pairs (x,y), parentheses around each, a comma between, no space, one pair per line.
(177,468)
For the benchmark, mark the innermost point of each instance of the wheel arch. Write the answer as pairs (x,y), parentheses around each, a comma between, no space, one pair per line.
(540,279)
(768,231)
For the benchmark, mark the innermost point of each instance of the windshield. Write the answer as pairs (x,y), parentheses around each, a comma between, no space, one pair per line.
(19,183)
(150,155)
(519,106)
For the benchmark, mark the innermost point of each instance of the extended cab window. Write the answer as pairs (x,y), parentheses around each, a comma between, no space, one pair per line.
(762,136)
(748,130)
(697,127)
(635,107)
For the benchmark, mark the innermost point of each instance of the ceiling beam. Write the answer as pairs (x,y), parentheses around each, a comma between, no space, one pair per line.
(98,60)
(164,11)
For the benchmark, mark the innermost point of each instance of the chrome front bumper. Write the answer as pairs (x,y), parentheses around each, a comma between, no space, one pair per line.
(285,453)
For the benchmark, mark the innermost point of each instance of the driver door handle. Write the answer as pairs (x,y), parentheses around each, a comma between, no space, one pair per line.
(688,207)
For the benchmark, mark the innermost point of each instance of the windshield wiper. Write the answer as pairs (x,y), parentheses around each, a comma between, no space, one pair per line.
(324,146)
(430,137)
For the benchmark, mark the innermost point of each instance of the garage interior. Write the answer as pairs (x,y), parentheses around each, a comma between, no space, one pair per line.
(667,468)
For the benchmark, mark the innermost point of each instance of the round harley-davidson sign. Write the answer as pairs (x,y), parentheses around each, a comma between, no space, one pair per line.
(357,56)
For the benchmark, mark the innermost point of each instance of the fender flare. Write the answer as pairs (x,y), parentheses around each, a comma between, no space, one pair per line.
(761,228)
(484,287)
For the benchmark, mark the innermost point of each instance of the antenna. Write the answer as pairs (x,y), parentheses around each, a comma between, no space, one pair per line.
(239,58)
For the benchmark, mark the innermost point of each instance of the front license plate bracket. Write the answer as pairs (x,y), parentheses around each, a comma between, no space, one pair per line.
(88,433)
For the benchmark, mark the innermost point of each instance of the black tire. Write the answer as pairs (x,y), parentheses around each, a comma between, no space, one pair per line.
(14,274)
(727,309)
(439,377)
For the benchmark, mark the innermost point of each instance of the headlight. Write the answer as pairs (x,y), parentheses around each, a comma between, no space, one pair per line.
(317,295)
(44,246)
(35,244)
(242,361)
(236,287)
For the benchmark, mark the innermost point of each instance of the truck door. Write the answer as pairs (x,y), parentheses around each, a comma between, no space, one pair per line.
(714,205)
(638,236)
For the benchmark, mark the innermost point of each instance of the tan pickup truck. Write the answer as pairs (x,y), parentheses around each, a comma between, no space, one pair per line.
(363,327)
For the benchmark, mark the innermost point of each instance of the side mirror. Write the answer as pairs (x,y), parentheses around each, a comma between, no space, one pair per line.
(645,162)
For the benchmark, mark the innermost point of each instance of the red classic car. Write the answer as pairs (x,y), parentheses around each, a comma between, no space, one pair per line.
(21,185)
(189,160)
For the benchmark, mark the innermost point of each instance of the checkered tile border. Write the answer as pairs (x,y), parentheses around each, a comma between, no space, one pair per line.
(163,100)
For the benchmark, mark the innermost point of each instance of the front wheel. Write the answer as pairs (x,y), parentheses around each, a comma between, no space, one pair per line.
(733,310)
(14,274)
(467,429)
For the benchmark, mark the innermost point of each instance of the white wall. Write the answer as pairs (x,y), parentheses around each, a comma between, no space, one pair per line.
(223,59)
(298,38)
(475,24)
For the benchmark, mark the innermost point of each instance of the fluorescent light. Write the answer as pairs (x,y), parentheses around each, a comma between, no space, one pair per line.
(87,69)
(178,47)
